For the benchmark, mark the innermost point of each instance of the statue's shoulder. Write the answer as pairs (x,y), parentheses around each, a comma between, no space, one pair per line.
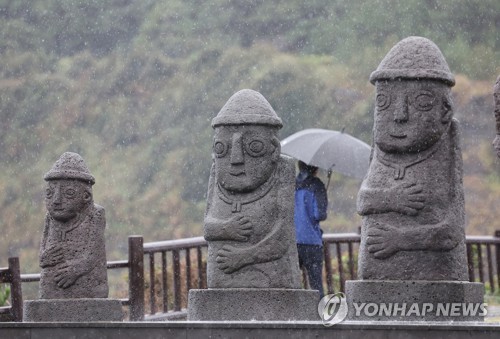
(286,167)
(98,213)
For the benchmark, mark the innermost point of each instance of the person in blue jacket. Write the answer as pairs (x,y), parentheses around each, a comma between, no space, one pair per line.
(310,208)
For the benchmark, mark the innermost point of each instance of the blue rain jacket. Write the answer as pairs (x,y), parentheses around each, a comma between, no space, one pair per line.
(310,208)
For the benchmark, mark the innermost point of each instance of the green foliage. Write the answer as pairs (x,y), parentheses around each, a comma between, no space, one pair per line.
(4,295)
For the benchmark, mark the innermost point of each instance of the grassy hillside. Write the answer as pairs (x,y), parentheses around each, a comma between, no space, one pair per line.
(132,86)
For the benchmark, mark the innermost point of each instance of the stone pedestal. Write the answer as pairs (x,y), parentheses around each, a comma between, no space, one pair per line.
(436,300)
(72,310)
(253,304)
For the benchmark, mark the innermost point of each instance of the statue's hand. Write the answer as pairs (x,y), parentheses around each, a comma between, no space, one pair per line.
(238,228)
(52,256)
(230,259)
(496,145)
(383,241)
(66,275)
(407,198)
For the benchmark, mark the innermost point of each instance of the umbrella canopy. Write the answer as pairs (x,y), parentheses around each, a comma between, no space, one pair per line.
(329,150)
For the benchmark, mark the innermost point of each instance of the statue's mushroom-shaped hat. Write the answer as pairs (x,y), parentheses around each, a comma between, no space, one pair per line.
(70,166)
(414,58)
(247,107)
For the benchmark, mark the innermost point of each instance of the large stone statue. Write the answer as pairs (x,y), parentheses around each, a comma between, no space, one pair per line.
(252,253)
(496,97)
(412,199)
(73,280)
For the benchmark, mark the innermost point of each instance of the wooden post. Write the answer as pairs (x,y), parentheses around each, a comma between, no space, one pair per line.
(470,262)
(16,290)
(328,267)
(164,280)
(497,247)
(136,277)
(177,280)
(152,284)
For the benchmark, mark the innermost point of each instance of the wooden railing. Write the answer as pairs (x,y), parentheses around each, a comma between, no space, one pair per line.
(12,275)
(162,273)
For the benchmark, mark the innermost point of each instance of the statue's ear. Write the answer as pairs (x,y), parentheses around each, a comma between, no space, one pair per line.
(87,196)
(446,110)
(277,148)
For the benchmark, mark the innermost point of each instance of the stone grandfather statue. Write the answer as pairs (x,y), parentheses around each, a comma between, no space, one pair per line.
(248,219)
(72,253)
(412,198)
(252,263)
(73,280)
(412,202)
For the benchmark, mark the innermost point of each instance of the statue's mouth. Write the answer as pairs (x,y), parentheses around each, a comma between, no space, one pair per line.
(398,136)
(237,173)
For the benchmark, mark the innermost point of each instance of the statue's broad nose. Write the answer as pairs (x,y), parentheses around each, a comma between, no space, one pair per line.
(401,110)
(237,149)
(57,195)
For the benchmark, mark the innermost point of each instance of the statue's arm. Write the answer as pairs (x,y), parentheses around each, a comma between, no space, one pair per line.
(49,256)
(385,240)
(372,201)
(405,198)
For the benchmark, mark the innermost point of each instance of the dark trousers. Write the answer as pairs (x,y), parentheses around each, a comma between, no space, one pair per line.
(311,258)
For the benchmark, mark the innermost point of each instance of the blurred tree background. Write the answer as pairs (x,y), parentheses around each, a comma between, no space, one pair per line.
(133,86)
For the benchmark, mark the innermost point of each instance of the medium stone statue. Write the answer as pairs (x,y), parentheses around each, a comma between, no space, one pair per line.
(73,280)
(496,97)
(412,199)
(249,218)
(72,252)
(252,253)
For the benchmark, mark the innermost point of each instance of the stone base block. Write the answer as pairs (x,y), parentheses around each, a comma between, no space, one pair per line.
(72,310)
(253,304)
(415,300)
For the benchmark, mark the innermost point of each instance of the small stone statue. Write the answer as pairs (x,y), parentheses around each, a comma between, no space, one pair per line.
(249,217)
(412,198)
(496,96)
(72,253)
(73,281)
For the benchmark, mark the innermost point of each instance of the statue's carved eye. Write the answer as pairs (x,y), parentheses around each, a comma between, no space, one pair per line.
(220,149)
(383,101)
(49,193)
(424,101)
(256,148)
(70,192)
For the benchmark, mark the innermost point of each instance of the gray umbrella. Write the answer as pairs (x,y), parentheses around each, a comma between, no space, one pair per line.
(329,150)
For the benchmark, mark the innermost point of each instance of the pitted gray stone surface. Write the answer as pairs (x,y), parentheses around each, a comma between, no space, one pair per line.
(72,253)
(253,304)
(412,199)
(73,280)
(249,218)
(412,237)
(73,310)
(404,294)
(252,264)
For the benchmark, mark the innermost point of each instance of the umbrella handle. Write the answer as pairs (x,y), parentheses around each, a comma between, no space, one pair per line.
(329,177)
